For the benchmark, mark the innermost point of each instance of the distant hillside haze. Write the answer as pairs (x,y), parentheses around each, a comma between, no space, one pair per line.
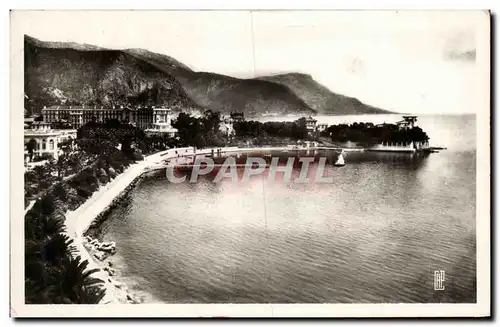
(71,73)
(320,98)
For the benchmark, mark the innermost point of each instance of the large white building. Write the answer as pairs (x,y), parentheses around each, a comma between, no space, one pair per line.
(226,125)
(162,123)
(46,140)
(144,117)
(311,124)
(408,122)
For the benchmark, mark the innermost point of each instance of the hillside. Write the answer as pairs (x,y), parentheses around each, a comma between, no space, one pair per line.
(71,73)
(63,74)
(224,93)
(320,98)
(254,97)
(161,61)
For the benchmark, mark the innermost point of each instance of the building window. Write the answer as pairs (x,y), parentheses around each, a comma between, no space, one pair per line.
(51,144)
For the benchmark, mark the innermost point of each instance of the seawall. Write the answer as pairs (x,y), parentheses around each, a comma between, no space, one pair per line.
(78,221)
(94,210)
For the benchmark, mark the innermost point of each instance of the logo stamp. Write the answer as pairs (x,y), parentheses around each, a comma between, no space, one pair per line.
(439,278)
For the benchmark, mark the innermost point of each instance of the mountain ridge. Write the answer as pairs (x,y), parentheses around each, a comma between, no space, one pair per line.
(68,72)
(64,75)
(320,98)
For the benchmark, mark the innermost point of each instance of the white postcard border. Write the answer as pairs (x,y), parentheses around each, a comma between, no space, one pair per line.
(19,309)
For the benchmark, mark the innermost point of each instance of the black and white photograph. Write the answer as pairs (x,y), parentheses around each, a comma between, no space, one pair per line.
(289,159)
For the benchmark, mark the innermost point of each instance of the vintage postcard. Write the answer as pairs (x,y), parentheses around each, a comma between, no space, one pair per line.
(250,163)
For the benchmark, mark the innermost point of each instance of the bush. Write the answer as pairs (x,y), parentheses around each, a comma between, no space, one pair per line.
(112,172)
(60,192)
(137,157)
(42,157)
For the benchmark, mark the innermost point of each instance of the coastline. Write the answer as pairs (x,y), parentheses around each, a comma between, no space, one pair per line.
(93,211)
(80,220)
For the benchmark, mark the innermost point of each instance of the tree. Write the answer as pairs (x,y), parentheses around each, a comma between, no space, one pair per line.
(188,128)
(43,176)
(31,146)
(126,146)
(77,282)
(61,164)
(66,146)
(113,123)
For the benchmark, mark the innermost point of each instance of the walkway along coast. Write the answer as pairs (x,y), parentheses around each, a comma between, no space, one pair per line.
(80,220)
(95,209)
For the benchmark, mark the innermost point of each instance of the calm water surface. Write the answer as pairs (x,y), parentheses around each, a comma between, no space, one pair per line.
(376,234)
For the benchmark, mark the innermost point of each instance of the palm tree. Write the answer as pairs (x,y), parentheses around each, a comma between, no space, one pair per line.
(57,247)
(76,278)
(90,294)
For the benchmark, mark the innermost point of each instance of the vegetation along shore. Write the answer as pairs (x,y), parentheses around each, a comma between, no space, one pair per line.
(64,196)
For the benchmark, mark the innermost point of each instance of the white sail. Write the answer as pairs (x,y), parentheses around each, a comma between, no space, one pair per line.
(340,160)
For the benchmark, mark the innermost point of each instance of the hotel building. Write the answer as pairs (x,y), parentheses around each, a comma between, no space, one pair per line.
(144,117)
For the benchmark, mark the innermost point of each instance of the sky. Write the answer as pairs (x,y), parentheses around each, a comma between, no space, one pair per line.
(411,61)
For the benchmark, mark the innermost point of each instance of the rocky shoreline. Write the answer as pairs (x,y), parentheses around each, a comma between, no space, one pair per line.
(103,251)
(89,215)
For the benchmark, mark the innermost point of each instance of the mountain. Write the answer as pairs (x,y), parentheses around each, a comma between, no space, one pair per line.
(320,98)
(224,93)
(61,73)
(68,73)
(207,88)
(71,73)
(251,96)
(161,61)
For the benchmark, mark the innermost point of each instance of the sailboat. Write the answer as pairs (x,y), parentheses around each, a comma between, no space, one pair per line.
(340,160)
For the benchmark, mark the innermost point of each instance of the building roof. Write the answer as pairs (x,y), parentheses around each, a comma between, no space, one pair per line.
(120,107)
(48,132)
